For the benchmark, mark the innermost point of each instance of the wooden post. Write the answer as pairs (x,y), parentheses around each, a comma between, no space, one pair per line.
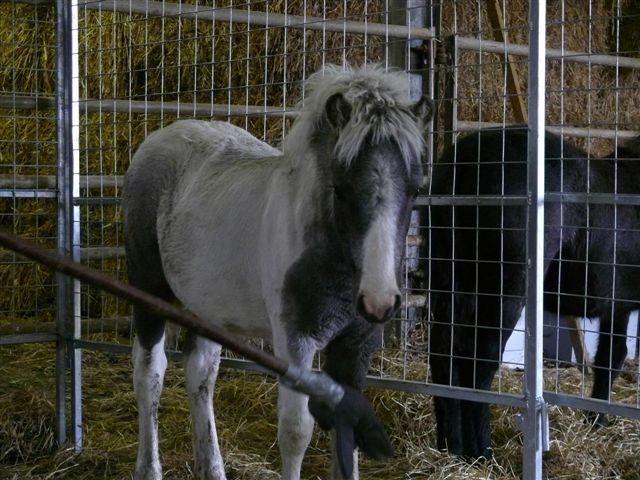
(514,86)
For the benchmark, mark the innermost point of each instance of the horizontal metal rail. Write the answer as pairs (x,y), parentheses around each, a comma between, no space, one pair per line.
(147,107)
(564,130)
(15,339)
(226,111)
(514,200)
(423,388)
(491,46)
(29,182)
(251,17)
(472,200)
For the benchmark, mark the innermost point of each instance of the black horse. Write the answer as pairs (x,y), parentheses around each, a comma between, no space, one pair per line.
(478,268)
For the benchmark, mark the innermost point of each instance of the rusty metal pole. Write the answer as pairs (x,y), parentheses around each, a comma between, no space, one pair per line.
(315,384)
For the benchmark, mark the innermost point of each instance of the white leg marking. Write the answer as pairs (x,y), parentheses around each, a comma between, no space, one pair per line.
(201,369)
(295,423)
(378,285)
(148,378)
(336,474)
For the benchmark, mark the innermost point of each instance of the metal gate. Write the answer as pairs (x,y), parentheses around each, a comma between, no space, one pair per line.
(109,72)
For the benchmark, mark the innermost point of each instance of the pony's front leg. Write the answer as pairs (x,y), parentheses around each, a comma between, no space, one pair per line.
(347,361)
(295,423)
(201,364)
(149,366)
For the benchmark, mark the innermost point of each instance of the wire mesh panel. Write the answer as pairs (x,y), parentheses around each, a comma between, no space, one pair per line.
(478,225)
(145,64)
(28,165)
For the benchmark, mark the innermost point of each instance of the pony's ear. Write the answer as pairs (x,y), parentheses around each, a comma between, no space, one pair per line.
(338,111)
(423,109)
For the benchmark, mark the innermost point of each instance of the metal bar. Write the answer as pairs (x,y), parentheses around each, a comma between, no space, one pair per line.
(497,398)
(183,108)
(23,102)
(534,417)
(471,200)
(64,201)
(490,46)
(592,404)
(28,194)
(68,289)
(96,201)
(39,182)
(86,253)
(567,131)
(15,339)
(551,197)
(75,328)
(269,20)
(146,107)
(169,311)
(225,111)
(593,198)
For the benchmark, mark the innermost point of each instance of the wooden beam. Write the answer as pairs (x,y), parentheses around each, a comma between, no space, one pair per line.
(514,86)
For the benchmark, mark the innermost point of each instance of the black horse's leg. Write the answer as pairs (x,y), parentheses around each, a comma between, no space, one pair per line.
(444,371)
(475,416)
(610,355)
(481,359)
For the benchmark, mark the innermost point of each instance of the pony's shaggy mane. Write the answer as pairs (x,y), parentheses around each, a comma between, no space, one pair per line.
(380,109)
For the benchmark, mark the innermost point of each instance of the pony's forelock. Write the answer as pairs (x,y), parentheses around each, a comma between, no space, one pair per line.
(380,110)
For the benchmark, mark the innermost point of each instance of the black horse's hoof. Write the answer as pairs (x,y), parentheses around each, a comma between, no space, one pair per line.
(596,420)
(485,456)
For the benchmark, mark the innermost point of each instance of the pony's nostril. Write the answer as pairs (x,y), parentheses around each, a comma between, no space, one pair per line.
(362,309)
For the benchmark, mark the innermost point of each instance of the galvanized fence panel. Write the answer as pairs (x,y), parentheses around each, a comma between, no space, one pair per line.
(127,67)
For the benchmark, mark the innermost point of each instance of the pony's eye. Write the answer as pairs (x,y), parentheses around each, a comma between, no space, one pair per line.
(417,191)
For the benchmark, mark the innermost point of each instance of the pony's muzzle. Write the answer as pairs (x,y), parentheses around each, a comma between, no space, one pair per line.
(378,308)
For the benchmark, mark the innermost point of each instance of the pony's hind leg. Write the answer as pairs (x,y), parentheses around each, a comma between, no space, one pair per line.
(201,364)
(149,365)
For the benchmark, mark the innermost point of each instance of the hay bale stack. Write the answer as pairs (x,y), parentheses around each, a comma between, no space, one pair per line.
(28,62)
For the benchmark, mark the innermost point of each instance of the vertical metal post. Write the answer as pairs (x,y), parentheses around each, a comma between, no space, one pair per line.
(535,424)
(451,91)
(407,55)
(67,127)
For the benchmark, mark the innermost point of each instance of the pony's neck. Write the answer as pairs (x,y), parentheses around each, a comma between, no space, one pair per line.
(310,194)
